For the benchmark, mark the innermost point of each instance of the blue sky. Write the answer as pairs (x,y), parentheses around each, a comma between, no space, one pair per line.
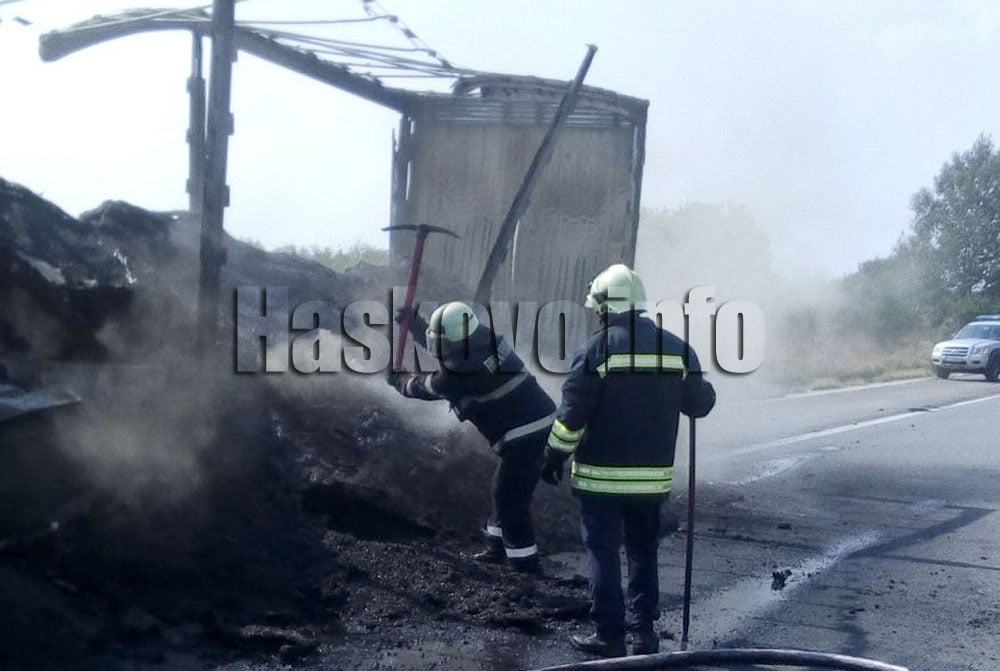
(823,118)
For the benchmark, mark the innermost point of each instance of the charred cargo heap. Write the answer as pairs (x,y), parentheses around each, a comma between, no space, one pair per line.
(172,511)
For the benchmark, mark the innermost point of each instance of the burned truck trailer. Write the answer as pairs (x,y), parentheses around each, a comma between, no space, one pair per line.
(458,158)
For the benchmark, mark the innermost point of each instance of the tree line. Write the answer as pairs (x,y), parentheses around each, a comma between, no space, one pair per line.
(877,322)
(947,268)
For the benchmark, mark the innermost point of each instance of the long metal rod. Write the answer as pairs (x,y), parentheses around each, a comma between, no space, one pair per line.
(216,196)
(727,658)
(689,549)
(523,197)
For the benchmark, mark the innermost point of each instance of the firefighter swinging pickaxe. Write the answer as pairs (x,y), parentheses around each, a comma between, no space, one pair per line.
(422,230)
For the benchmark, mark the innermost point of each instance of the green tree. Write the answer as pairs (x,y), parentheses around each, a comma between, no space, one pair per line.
(887,299)
(956,226)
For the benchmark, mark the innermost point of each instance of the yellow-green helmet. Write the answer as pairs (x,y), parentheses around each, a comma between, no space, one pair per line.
(616,289)
(450,323)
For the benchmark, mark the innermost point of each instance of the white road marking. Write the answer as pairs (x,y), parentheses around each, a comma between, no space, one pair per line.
(844,390)
(822,433)
(769,469)
(750,598)
(926,507)
(772,468)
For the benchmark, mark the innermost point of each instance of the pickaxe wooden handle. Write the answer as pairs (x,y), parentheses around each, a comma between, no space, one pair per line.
(422,230)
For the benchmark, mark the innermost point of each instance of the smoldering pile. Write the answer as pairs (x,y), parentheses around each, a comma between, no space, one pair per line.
(179,503)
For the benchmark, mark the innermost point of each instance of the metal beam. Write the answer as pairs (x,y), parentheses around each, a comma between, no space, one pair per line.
(61,43)
(310,65)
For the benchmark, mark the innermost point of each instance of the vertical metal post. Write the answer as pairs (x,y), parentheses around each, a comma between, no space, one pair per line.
(689,550)
(401,157)
(216,194)
(196,129)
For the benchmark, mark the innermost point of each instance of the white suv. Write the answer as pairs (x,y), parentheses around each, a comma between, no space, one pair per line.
(974,349)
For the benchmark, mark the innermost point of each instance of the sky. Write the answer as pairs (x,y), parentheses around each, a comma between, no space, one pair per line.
(822,118)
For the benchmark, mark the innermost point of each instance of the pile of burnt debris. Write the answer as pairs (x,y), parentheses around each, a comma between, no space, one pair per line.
(159,508)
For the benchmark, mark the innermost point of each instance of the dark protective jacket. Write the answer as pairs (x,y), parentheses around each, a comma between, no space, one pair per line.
(492,389)
(621,405)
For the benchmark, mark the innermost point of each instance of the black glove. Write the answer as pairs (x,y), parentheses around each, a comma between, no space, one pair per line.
(400,380)
(552,467)
(417,323)
(404,312)
(697,396)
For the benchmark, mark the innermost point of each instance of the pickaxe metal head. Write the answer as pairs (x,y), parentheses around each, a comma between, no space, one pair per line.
(422,229)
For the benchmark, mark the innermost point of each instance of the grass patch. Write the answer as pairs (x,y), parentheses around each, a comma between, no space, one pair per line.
(857,366)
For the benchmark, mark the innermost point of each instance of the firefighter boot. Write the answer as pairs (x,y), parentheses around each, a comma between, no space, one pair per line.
(645,642)
(493,553)
(595,644)
(527,565)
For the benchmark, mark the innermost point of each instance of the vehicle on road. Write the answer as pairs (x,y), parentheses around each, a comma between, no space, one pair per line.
(974,349)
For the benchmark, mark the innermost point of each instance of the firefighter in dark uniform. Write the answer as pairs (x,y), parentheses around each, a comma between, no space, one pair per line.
(490,387)
(618,420)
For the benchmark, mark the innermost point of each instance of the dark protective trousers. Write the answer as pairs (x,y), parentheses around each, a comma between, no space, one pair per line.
(602,525)
(514,483)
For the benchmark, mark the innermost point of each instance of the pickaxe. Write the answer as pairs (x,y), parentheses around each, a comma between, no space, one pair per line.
(423,230)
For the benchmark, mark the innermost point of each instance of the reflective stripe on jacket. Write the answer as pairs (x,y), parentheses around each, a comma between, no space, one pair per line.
(621,479)
(495,392)
(621,405)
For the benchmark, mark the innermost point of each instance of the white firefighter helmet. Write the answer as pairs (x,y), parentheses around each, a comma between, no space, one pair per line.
(450,323)
(616,289)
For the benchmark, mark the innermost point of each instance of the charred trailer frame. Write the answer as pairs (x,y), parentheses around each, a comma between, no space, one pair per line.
(458,162)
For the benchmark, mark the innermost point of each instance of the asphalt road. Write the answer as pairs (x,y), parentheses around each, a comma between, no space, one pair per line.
(859,521)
